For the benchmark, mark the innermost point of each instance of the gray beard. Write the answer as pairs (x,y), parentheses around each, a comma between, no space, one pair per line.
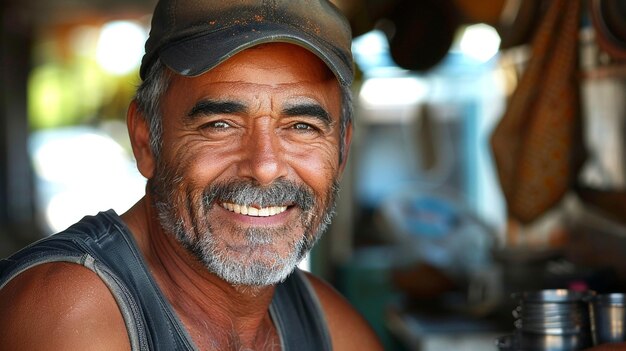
(198,236)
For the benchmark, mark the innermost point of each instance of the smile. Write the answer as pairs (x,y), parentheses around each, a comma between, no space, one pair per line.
(253,211)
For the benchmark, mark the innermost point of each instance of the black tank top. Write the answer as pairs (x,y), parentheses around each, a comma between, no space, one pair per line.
(104,244)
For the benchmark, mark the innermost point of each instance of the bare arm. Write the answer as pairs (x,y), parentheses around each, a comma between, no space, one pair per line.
(60,306)
(348,329)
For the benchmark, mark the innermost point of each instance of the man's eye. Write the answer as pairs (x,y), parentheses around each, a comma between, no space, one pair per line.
(303,126)
(217,125)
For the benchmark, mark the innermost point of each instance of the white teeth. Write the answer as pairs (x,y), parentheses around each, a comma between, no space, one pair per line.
(253,211)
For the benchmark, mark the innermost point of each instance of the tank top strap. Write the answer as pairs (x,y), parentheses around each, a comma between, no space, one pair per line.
(298,315)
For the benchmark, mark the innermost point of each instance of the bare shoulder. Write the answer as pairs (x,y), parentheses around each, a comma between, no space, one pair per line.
(60,306)
(348,329)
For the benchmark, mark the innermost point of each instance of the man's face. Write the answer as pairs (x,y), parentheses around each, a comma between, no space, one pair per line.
(250,162)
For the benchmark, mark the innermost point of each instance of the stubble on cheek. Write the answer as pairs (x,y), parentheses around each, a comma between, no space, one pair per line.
(177,204)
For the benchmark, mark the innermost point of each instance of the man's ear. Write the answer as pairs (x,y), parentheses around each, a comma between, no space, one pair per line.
(139,134)
(347,140)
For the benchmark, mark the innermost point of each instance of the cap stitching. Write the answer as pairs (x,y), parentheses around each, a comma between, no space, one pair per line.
(172,12)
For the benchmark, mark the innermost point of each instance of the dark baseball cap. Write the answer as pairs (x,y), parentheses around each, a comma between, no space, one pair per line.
(193,36)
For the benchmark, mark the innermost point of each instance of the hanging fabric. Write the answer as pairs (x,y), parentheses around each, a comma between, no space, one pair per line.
(537,144)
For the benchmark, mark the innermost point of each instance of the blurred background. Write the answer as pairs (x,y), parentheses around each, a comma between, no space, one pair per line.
(488,155)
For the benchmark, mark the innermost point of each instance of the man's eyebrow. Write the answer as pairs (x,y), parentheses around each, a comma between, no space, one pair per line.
(211,107)
(309,109)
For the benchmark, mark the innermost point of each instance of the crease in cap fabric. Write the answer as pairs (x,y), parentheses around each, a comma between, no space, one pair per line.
(193,36)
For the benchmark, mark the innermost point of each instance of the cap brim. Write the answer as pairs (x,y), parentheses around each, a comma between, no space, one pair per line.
(196,55)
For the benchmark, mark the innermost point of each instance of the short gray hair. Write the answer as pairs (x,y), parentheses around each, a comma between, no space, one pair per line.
(157,81)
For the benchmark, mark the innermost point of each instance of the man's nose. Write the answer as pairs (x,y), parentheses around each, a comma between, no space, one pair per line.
(264,159)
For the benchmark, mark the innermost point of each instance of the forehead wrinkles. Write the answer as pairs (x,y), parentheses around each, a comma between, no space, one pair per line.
(269,98)
(259,95)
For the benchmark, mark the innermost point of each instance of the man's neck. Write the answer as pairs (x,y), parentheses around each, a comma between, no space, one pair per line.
(216,314)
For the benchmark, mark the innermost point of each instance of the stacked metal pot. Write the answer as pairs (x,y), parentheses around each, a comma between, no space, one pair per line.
(564,320)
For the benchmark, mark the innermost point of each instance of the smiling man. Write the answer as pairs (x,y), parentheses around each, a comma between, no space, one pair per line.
(242,126)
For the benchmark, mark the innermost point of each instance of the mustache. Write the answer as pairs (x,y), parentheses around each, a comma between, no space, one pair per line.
(244,192)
